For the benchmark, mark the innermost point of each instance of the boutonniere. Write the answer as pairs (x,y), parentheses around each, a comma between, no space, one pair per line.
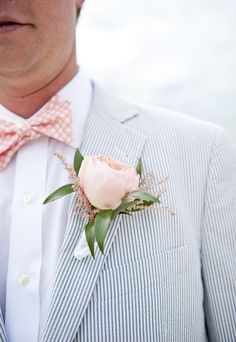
(105,188)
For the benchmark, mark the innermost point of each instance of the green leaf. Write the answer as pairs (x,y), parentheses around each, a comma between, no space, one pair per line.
(141,195)
(90,236)
(144,204)
(77,161)
(62,191)
(125,213)
(121,208)
(102,221)
(139,167)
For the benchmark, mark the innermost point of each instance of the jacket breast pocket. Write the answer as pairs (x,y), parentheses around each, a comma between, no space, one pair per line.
(140,274)
(158,298)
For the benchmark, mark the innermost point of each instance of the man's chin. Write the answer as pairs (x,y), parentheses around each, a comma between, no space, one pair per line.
(14,63)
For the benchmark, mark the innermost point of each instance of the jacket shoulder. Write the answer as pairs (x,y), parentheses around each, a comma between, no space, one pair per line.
(178,122)
(157,122)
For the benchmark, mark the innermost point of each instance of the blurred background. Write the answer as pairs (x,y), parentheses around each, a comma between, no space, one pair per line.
(175,54)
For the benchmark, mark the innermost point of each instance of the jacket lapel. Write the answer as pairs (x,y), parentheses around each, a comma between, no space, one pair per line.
(3,335)
(75,279)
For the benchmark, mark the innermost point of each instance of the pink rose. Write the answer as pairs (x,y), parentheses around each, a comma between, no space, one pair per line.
(106,181)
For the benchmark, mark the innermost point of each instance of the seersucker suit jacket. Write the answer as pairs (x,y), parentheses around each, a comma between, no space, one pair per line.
(162,277)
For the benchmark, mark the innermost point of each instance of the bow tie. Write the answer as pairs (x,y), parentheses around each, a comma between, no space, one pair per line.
(54,120)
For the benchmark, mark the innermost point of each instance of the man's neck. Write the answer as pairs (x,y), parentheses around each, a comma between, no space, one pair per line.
(25,102)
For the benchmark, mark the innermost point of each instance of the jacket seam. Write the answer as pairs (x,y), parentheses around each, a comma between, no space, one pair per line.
(202,225)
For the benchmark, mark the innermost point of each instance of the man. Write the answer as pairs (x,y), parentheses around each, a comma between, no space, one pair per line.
(162,277)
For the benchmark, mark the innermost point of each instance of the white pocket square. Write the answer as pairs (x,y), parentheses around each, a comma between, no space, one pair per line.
(82,249)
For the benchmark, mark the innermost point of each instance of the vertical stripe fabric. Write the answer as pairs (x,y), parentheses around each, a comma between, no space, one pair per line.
(75,279)
(164,277)
(3,337)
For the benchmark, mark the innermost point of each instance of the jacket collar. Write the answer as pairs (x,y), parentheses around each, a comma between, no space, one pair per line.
(106,133)
(115,107)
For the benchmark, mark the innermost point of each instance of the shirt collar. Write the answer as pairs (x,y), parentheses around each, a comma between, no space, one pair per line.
(79,91)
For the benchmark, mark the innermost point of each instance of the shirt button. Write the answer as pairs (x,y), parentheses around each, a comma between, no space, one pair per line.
(23,279)
(27,199)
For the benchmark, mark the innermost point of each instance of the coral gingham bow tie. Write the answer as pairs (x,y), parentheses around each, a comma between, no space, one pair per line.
(54,120)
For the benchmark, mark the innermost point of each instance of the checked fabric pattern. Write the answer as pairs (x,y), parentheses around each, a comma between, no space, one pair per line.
(54,120)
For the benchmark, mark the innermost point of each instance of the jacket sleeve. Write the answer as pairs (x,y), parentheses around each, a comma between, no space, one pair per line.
(218,248)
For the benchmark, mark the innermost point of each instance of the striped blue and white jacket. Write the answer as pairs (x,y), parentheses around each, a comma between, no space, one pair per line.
(162,277)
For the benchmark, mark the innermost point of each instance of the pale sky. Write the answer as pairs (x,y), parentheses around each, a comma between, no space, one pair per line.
(176,54)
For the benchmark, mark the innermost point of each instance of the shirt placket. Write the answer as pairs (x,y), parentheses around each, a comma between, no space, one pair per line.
(25,250)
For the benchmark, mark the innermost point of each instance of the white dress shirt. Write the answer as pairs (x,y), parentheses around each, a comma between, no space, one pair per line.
(31,234)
